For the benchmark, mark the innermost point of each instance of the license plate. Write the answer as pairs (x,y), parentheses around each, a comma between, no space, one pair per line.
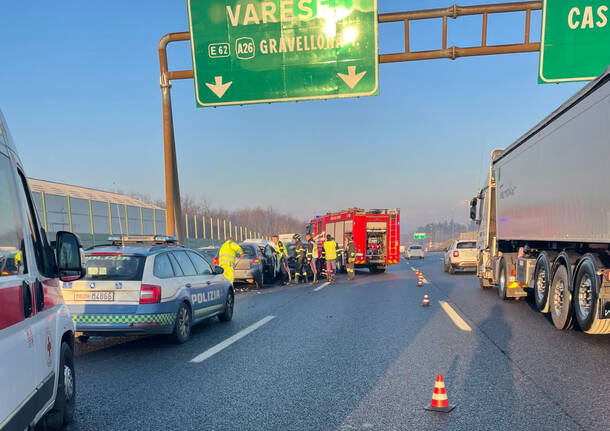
(94,296)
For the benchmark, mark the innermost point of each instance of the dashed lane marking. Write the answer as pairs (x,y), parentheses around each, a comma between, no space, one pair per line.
(455,317)
(226,343)
(322,286)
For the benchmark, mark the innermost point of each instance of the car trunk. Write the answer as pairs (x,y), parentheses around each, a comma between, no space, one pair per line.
(243,263)
(111,279)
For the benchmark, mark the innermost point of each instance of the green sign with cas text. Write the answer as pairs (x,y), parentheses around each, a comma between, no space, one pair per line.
(254,51)
(575,42)
(419,236)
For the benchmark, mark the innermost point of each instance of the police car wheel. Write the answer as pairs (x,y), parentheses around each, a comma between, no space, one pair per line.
(65,401)
(227,315)
(182,327)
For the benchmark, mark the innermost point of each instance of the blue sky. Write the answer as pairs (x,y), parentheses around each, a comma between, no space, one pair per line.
(79,85)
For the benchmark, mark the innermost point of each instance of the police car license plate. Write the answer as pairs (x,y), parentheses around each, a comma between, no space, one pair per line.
(94,296)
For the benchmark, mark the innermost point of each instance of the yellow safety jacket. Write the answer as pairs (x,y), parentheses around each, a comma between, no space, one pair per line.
(281,250)
(228,252)
(330,250)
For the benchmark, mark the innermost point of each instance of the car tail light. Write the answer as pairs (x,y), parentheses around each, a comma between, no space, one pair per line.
(456,253)
(255,261)
(513,272)
(150,294)
(215,260)
(608,276)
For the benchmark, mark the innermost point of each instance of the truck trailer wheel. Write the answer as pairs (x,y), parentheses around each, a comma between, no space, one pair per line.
(560,299)
(542,281)
(502,280)
(586,300)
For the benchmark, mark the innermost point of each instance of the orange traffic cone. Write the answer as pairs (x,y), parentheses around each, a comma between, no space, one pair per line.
(426,301)
(440,402)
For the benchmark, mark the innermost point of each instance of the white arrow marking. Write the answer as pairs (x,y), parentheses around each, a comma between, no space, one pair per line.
(352,78)
(219,89)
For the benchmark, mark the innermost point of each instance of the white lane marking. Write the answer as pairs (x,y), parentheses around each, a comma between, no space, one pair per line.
(322,286)
(459,322)
(226,343)
(425,281)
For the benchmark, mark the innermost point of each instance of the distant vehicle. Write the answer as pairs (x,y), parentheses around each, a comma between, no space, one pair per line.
(147,285)
(257,265)
(210,253)
(544,214)
(402,248)
(414,252)
(462,254)
(36,332)
(376,235)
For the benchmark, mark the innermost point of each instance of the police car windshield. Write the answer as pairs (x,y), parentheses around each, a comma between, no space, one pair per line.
(114,267)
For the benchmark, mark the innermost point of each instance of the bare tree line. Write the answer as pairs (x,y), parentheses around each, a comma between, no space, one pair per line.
(267,221)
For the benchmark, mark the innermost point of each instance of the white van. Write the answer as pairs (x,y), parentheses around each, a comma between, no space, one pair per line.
(36,331)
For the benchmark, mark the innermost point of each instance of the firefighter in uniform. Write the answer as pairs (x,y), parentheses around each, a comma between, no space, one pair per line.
(350,250)
(282,258)
(330,254)
(226,258)
(312,257)
(300,257)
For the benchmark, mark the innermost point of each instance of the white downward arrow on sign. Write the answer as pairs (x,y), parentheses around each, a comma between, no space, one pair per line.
(218,88)
(352,78)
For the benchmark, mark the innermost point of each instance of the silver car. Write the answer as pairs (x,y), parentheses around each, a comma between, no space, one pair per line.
(414,252)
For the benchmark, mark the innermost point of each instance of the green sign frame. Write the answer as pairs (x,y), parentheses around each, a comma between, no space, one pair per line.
(419,235)
(262,51)
(575,40)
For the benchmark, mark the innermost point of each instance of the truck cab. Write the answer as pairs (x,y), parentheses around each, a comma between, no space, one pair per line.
(36,331)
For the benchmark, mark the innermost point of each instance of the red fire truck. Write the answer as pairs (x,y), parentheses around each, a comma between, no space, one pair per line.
(376,235)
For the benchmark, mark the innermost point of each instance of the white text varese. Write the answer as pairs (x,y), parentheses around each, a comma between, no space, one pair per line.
(268,11)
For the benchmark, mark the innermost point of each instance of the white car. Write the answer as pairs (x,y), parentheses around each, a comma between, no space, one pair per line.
(414,252)
(36,332)
(147,285)
(462,254)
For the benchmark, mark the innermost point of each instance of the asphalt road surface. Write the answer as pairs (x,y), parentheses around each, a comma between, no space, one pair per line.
(354,356)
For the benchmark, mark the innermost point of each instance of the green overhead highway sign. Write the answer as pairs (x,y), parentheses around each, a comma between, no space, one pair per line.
(254,51)
(419,235)
(575,42)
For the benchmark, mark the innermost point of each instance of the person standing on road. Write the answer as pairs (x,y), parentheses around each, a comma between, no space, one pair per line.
(226,258)
(350,250)
(330,254)
(282,259)
(300,257)
(312,257)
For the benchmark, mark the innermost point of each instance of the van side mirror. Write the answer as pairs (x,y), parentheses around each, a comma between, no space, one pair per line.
(218,270)
(70,256)
(473,209)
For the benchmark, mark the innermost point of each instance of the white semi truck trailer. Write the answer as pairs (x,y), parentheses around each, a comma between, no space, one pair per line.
(544,214)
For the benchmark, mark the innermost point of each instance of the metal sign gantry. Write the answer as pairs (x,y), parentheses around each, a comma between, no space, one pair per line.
(172,188)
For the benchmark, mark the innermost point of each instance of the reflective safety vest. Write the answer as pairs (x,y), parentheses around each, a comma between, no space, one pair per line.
(330,250)
(281,250)
(228,252)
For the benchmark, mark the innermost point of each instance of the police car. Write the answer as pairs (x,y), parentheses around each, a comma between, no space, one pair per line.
(147,285)
(36,332)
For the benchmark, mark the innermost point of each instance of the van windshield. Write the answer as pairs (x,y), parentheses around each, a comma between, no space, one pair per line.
(114,267)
